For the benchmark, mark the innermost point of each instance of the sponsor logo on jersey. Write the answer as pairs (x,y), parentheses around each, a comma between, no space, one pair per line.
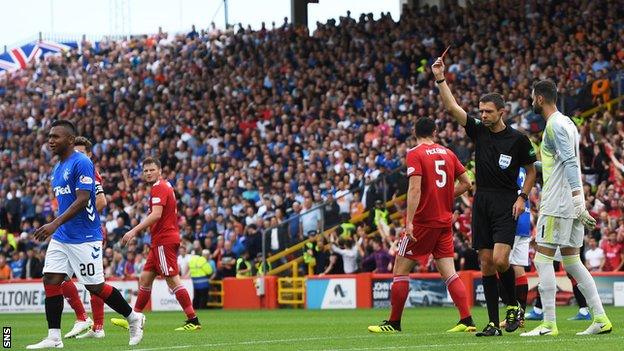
(410,170)
(66,174)
(504,161)
(86,180)
(155,200)
(62,190)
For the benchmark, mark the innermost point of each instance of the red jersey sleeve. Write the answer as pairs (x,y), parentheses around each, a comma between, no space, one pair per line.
(414,164)
(459,168)
(158,195)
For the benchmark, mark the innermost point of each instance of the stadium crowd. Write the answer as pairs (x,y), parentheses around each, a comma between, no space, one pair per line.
(257,127)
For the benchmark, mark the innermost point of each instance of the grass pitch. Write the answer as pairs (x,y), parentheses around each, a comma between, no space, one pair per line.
(307,330)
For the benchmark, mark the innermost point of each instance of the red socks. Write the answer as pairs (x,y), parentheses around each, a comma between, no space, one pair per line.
(52,290)
(142,298)
(398,295)
(97,308)
(185,301)
(71,295)
(458,293)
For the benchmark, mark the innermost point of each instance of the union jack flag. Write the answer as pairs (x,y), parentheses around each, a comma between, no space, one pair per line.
(20,57)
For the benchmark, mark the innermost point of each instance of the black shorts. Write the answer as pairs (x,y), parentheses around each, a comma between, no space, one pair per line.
(492,219)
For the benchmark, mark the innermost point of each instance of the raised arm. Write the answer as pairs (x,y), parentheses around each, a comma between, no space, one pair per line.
(450,104)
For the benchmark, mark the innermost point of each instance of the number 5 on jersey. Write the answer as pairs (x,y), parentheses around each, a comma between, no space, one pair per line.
(439,164)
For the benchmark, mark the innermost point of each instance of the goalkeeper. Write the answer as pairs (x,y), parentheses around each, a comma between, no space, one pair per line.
(562,214)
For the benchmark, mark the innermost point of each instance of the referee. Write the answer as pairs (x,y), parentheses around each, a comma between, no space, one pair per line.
(500,152)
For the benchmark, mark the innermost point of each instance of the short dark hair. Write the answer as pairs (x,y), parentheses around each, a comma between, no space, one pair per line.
(546,89)
(65,123)
(425,127)
(82,141)
(151,161)
(495,98)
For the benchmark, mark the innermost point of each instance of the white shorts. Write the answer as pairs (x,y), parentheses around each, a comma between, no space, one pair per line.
(84,260)
(557,231)
(519,255)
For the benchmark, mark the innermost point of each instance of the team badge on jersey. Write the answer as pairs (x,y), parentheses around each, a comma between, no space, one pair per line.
(504,161)
(66,174)
(86,180)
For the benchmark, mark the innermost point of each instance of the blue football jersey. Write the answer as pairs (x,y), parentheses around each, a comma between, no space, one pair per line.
(76,173)
(524,220)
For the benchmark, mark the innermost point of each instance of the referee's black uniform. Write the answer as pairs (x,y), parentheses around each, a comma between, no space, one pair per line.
(499,157)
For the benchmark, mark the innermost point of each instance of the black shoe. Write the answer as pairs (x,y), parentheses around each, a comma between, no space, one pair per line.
(513,318)
(490,330)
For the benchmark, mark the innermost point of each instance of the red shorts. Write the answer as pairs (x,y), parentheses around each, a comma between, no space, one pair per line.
(436,241)
(163,259)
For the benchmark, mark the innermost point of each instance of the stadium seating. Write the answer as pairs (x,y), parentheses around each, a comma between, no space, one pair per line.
(251,126)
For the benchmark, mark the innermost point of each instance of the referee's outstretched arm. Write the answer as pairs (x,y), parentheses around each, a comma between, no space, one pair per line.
(445,92)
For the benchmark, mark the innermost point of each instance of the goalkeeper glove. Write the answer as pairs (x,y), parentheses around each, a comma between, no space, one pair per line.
(580,211)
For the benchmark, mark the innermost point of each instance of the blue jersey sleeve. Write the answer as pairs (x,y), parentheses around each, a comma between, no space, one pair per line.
(84,175)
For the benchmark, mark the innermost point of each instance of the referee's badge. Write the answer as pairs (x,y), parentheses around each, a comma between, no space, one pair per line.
(504,161)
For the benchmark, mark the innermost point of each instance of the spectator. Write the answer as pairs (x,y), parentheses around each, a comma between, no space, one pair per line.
(226,143)
(33,267)
(614,255)
(120,229)
(381,216)
(357,208)
(243,265)
(129,264)
(594,257)
(321,255)
(277,236)
(344,199)
(14,209)
(183,261)
(5,270)
(382,260)
(294,221)
(228,261)
(349,252)
(139,264)
(310,218)
(331,211)
(17,264)
(200,273)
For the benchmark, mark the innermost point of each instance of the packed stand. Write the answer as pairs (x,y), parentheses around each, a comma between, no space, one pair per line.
(255,127)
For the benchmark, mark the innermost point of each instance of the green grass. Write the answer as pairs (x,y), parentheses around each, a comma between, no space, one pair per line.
(318,330)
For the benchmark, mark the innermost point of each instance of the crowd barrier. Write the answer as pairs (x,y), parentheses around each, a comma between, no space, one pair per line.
(25,296)
(348,291)
(368,290)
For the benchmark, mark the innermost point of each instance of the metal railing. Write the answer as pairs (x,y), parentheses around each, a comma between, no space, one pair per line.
(215,295)
(298,248)
(582,99)
(385,185)
(291,291)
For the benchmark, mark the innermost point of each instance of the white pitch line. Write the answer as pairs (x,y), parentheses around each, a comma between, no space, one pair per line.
(527,340)
(280,341)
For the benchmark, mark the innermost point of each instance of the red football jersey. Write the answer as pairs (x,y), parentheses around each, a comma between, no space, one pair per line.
(439,167)
(613,255)
(165,231)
